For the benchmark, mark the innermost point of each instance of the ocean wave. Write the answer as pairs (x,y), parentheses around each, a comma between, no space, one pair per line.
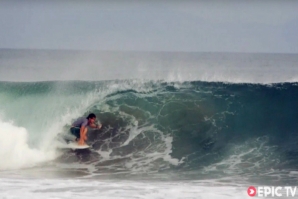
(154,126)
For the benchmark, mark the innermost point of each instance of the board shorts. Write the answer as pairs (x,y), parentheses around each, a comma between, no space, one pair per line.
(75,131)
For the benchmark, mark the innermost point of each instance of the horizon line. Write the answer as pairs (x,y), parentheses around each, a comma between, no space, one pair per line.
(143,51)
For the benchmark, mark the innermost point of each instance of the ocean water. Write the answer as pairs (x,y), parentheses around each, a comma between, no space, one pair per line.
(175,125)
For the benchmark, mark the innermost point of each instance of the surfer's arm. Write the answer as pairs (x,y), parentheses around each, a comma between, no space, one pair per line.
(82,135)
(95,126)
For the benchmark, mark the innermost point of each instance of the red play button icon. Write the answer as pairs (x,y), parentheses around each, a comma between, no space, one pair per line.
(251,191)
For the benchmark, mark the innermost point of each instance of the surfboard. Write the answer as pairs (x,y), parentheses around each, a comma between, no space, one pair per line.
(73,145)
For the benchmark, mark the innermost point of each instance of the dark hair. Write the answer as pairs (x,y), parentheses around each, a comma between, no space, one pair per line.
(91,115)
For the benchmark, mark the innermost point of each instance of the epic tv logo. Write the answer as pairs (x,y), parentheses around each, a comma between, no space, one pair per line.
(266,191)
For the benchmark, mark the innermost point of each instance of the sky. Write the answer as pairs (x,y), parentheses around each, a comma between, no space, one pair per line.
(269,26)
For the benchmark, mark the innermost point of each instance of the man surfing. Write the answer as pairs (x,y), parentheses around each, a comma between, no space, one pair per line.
(80,126)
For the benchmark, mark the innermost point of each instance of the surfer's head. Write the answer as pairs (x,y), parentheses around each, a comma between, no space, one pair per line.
(91,117)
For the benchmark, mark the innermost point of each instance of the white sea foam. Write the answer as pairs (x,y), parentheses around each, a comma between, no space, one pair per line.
(14,149)
(75,188)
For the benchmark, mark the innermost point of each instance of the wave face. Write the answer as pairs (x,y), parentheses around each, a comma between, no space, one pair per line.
(208,129)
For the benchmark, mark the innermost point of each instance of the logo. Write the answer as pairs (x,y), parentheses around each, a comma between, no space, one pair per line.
(251,191)
(274,191)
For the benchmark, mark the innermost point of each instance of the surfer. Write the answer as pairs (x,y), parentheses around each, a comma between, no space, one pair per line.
(80,126)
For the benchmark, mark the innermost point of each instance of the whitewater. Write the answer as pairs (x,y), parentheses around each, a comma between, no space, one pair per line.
(175,124)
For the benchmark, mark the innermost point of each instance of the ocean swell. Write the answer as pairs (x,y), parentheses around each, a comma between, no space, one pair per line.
(154,126)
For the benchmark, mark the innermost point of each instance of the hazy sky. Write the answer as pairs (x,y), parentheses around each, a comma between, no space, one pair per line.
(220,26)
